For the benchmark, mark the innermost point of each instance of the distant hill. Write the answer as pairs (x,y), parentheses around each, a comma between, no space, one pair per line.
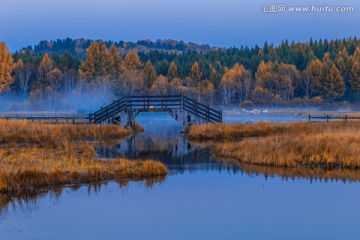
(77,47)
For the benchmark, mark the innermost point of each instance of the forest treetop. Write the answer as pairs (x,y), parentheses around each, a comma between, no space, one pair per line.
(287,74)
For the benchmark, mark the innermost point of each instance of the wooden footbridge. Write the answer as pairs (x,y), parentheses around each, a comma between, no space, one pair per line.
(185,110)
(124,111)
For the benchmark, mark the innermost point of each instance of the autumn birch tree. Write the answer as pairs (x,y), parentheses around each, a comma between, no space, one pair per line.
(133,74)
(23,74)
(160,86)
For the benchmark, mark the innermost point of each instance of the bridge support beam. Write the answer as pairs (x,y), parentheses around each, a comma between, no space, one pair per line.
(182,117)
(186,119)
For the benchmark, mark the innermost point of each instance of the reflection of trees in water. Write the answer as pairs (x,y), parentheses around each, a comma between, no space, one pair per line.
(148,143)
(312,174)
(28,201)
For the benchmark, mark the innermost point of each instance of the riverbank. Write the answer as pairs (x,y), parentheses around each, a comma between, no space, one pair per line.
(41,155)
(319,145)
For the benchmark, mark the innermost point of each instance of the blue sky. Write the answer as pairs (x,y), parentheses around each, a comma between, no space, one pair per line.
(224,23)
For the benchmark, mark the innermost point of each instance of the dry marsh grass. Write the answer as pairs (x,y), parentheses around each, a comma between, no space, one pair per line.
(227,130)
(41,133)
(25,169)
(138,128)
(321,145)
(33,156)
(241,130)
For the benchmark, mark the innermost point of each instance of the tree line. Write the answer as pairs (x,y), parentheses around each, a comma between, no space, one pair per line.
(291,74)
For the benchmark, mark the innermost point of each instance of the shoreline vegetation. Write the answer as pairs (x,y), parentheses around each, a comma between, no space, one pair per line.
(328,146)
(34,156)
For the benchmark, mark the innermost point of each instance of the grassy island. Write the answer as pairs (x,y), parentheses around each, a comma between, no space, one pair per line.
(317,145)
(40,155)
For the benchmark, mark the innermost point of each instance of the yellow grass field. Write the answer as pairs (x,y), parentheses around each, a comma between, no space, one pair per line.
(325,145)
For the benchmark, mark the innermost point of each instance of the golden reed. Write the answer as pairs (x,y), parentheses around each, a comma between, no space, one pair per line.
(325,145)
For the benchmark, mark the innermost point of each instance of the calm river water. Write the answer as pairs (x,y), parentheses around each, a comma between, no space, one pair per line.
(201,198)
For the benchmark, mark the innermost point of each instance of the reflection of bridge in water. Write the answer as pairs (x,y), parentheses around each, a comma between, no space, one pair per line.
(163,142)
(172,152)
(138,147)
(177,154)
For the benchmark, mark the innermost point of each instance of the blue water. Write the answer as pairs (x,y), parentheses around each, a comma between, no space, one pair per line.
(207,200)
(201,205)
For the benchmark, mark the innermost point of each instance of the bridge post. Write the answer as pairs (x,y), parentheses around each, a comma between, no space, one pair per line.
(182,120)
(129,118)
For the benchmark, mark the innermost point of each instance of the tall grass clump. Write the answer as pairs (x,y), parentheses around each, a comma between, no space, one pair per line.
(241,130)
(321,145)
(24,169)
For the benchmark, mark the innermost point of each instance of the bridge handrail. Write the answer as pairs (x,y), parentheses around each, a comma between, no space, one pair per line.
(156,102)
(202,107)
(200,104)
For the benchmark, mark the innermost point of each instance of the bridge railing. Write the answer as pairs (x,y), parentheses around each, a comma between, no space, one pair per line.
(156,102)
(108,111)
(201,110)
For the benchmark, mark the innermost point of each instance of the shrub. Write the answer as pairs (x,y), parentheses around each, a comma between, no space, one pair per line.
(247,105)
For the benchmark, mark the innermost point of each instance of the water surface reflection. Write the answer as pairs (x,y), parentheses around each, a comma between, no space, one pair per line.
(201,198)
(162,141)
(27,201)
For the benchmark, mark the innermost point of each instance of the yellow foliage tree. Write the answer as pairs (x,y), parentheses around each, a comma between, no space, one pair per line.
(6,67)
(195,73)
(175,86)
(207,91)
(355,80)
(172,71)
(45,67)
(266,77)
(315,70)
(132,61)
(334,86)
(96,62)
(133,82)
(289,78)
(160,86)
(150,74)
(55,79)
(115,65)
